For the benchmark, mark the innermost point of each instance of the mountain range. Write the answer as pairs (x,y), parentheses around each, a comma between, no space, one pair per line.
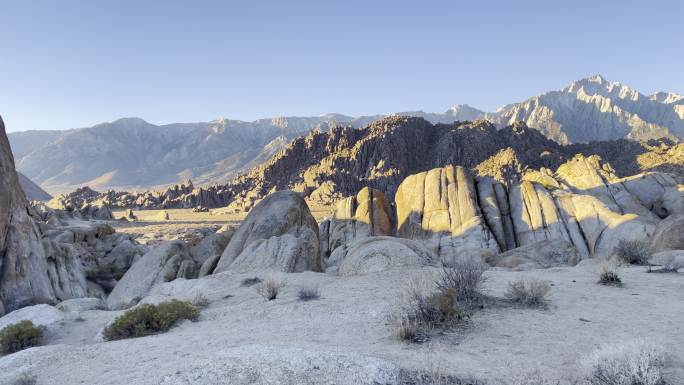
(133,154)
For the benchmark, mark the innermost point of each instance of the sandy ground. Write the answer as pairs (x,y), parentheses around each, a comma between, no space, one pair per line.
(183,223)
(352,317)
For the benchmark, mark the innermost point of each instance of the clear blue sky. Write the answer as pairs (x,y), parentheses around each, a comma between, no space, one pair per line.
(71,63)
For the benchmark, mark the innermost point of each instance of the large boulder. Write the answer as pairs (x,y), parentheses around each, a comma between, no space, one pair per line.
(82,304)
(538,255)
(212,245)
(373,254)
(440,208)
(670,259)
(23,266)
(161,264)
(43,315)
(669,234)
(278,233)
(366,214)
(536,217)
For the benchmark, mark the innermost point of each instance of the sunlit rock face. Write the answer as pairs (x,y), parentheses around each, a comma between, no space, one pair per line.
(368,213)
(440,207)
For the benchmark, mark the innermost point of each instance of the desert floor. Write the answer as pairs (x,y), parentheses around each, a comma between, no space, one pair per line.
(241,338)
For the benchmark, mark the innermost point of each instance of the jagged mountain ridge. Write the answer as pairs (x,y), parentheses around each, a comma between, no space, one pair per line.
(133,154)
(328,165)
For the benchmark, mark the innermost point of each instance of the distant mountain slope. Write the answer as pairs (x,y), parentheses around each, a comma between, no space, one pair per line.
(329,165)
(135,155)
(33,191)
(594,109)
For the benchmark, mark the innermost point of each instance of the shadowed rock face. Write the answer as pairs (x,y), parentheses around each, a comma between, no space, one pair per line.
(23,266)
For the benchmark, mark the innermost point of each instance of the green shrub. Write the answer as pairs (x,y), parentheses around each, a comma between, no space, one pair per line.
(20,336)
(150,319)
(634,252)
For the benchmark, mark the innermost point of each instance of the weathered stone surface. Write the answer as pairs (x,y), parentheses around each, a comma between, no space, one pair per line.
(82,304)
(440,208)
(278,233)
(23,266)
(160,264)
(669,235)
(41,315)
(670,259)
(537,255)
(366,214)
(211,245)
(378,253)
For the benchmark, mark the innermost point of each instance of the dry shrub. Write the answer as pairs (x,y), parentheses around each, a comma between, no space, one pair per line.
(200,301)
(464,277)
(634,252)
(628,363)
(528,292)
(423,309)
(26,379)
(308,293)
(270,287)
(608,274)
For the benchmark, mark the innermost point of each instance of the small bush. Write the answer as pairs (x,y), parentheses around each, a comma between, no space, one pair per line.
(26,379)
(308,293)
(251,281)
(528,293)
(200,301)
(609,277)
(634,252)
(150,319)
(424,310)
(464,278)
(410,331)
(20,336)
(270,287)
(630,363)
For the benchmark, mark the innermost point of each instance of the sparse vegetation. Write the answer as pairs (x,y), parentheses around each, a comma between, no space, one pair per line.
(630,363)
(528,292)
(424,309)
(464,278)
(609,276)
(150,319)
(250,281)
(200,301)
(20,336)
(26,379)
(270,287)
(308,293)
(634,252)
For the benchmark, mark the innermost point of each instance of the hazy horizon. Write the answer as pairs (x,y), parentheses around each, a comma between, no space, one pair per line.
(76,64)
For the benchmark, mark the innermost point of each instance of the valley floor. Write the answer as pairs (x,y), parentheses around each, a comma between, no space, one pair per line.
(241,338)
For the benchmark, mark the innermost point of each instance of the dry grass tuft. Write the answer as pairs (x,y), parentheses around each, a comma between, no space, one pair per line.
(270,287)
(528,292)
